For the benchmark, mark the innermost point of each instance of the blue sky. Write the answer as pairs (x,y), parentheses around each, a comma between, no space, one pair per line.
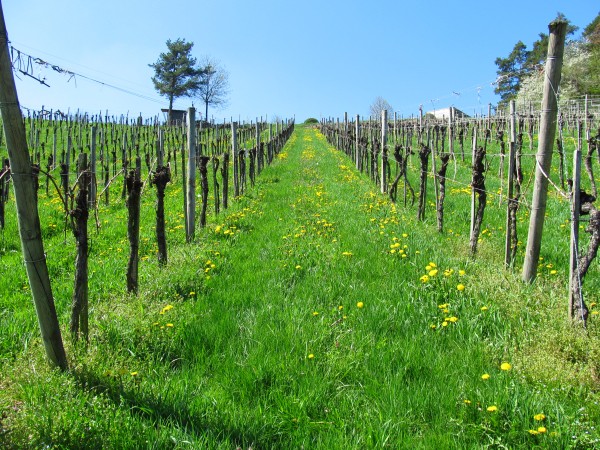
(306,59)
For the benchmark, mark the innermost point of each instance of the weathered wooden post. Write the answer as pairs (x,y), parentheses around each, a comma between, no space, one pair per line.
(508,254)
(547,132)
(134,190)
(92,190)
(384,156)
(27,212)
(577,309)
(357,141)
(235,152)
(191,175)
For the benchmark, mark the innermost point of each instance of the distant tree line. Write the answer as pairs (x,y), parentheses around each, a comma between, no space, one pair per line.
(520,74)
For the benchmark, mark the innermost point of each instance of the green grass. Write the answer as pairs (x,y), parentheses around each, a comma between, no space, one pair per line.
(253,335)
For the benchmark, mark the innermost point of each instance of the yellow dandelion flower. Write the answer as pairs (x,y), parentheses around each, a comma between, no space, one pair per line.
(433,326)
(428,268)
(298,267)
(340,307)
(347,253)
(467,401)
(533,432)
(460,287)
(461,272)
(484,308)
(433,273)
(539,417)
(505,366)
(424,278)
(492,408)
(485,376)
(311,356)
(444,324)
(360,305)
(404,235)
(170,325)
(134,374)
(541,430)
(432,264)
(452,319)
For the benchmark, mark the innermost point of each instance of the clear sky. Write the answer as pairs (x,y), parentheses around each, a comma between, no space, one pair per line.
(314,58)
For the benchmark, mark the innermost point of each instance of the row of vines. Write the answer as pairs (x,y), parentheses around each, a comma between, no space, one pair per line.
(86,162)
(471,157)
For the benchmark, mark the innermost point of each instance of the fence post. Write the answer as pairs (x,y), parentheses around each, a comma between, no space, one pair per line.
(191,175)
(511,181)
(27,212)
(547,132)
(383,181)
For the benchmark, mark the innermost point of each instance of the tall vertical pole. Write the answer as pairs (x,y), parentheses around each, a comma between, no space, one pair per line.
(235,151)
(575,302)
(383,181)
(556,44)
(191,175)
(511,182)
(29,220)
(357,132)
(92,190)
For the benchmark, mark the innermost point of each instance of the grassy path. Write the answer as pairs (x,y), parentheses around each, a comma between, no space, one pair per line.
(313,332)
(317,315)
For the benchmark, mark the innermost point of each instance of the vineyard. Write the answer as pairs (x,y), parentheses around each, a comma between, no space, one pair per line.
(311,296)
(419,282)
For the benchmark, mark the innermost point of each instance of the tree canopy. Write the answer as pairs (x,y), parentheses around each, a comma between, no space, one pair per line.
(214,85)
(522,63)
(175,72)
(378,105)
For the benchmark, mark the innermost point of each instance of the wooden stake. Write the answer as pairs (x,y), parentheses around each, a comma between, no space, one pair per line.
(27,212)
(191,175)
(547,132)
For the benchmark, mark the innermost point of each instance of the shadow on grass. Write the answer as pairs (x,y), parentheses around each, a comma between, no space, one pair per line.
(158,411)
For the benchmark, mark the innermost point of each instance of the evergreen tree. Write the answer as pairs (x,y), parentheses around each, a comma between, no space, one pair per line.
(175,72)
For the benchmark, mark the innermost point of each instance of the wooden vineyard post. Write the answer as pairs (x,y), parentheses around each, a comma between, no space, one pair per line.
(357,141)
(473,197)
(577,309)
(79,308)
(236,168)
(134,190)
(508,252)
(191,175)
(547,132)
(384,155)
(92,190)
(27,212)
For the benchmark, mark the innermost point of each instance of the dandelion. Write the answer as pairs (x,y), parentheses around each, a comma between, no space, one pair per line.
(433,326)
(360,305)
(134,374)
(460,287)
(311,356)
(505,366)
(533,432)
(298,267)
(433,265)
(467,401)
(424,278)
(170,325)
(428,268)
(347,253)
(461,273)
(452,319)
(485,376)
(541,430)
(492,408)
(539,417)
(433,273)
(404,235)
(553,272)
(340,307)
(444,323)
(315,313)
